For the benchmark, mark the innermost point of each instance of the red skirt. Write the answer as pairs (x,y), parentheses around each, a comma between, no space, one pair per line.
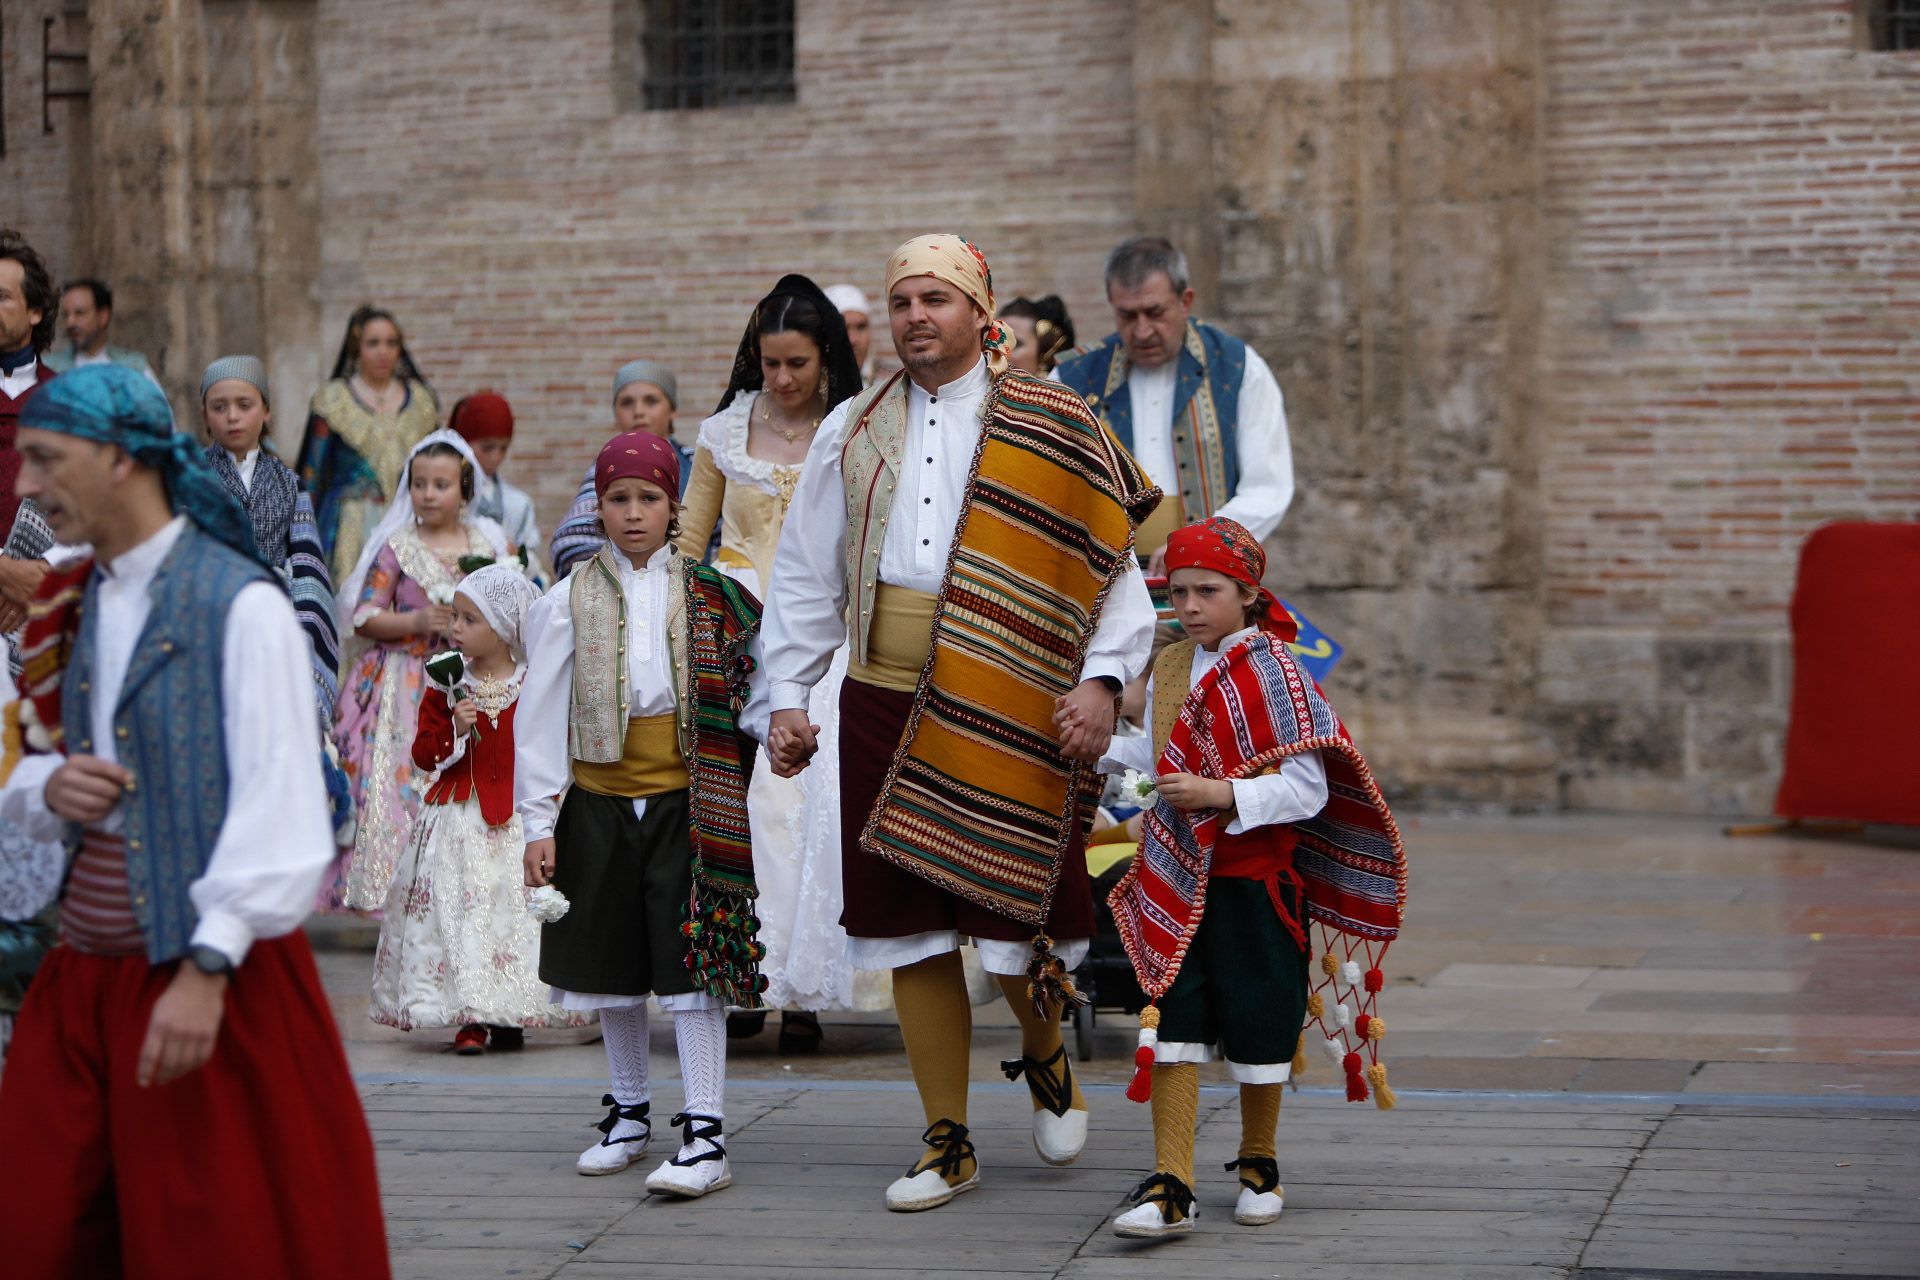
(881,900)
(257,1164)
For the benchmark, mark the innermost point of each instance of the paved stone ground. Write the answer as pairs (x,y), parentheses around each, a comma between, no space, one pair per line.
(1626,1049)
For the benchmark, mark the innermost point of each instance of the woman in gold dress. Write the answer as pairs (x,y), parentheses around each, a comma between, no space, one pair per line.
(794,365)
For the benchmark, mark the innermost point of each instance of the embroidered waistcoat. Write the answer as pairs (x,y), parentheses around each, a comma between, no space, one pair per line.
(597,713)
(169,730)
(1206,407)
(870,457)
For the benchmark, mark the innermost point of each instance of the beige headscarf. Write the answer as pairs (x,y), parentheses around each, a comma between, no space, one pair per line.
(956,260)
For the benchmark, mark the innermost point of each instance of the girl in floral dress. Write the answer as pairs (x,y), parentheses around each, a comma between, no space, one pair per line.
(397,607)
(458,947)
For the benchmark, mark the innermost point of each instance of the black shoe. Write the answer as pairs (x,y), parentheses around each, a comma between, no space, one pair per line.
(744,1024)
(800,1032)
(506,1038)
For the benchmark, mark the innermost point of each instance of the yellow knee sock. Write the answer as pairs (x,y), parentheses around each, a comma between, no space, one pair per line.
(1039,1037)
(1259,1119)
(1176,1115)
(936,1022)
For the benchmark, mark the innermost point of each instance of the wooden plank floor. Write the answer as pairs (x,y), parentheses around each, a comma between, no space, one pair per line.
(479,1182)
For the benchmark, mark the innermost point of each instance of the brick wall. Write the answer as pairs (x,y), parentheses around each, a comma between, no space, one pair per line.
(1730,356)
(478,178)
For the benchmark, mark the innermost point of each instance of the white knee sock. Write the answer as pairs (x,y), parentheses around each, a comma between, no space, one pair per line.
(702,1037)
(625,1033)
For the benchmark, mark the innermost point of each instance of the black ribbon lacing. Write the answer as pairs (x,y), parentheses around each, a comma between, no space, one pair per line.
(1054,1092)
(616,1113)
(1174,1195)
(698,1128)
(951,1149)
(1265,1171)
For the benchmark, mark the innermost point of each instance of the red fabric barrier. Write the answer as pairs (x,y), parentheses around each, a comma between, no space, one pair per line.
(1853,746)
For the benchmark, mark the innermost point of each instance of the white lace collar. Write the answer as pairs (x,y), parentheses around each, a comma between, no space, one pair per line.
(724,437)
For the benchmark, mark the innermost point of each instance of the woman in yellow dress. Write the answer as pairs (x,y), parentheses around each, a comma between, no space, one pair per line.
(362,424)
(795,364)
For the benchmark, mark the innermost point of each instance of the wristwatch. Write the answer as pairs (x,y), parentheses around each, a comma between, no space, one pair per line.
(211,961)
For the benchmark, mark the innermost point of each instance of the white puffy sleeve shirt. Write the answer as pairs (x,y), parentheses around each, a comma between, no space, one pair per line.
(542,760)
(276,843)
(806,603)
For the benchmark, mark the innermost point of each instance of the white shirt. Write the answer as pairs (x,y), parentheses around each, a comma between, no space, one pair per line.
(1293,793)
(81,359)
(805,618)
(21,380)
(1263,448)
(542,762)
(245,466)
(276,843)
(516,518)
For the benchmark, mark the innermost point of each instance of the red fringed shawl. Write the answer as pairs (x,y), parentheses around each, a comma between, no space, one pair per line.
(1254,709)
(53,623)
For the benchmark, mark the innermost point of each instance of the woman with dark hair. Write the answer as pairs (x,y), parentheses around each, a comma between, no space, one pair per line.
(1043,330)
(795,363)
(361,425)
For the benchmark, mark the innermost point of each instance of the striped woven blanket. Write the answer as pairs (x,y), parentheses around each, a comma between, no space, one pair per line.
(1251,711)
(979,799)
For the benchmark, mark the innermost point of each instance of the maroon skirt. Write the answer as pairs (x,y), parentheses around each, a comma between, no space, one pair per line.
(882,900)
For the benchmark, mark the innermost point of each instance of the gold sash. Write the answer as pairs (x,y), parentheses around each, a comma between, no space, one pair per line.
(650,762)
(898,641)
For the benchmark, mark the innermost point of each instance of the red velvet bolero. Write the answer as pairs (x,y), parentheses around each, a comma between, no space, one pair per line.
(486,767)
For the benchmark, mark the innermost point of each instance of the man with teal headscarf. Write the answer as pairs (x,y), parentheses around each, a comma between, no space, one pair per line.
(176,1097)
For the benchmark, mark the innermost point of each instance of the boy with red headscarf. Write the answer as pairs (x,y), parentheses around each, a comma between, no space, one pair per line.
(636,663)
(1215,911)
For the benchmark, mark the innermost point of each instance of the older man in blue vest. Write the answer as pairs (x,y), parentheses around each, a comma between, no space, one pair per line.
(1198,408)
(176,1101)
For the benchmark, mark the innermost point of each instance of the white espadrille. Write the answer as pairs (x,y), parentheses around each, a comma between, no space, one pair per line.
(701,1166)
(627,1132)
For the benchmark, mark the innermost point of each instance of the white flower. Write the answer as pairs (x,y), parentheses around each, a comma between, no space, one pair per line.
(440,593)
(1138,785)
(547,904)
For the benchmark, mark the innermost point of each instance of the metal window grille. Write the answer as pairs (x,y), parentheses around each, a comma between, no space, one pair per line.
(716,53)
(1893,26)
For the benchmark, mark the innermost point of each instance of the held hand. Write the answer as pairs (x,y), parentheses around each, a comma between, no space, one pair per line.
(1083,720)
(12,614)
(86,788)
(184,1026)
(465,715)
(434,620)
(791,741)
(1187,792)
(538,864)
(19,579)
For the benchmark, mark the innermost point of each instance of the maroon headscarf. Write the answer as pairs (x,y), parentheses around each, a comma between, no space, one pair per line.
(640,454)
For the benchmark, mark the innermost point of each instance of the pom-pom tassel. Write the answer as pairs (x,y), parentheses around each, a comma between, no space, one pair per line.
(1356,1083)
(1382,1094)
(1299,1060)
(1140,1088)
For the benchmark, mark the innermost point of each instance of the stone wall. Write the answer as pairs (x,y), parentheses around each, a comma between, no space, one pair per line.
(38,173)
(1380,198)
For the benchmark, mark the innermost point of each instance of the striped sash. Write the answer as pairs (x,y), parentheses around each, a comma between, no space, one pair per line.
(96,912)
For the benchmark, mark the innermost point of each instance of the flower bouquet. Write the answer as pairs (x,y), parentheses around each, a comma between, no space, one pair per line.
(547,904)
(448,671)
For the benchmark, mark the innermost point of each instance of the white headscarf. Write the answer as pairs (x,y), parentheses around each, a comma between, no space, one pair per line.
(503,595)
(400,514)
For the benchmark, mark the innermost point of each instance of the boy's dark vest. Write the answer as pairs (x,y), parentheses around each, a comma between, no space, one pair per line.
(169,730)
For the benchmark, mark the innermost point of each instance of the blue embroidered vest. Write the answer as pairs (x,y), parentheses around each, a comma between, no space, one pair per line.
(1206,407)
(168,730)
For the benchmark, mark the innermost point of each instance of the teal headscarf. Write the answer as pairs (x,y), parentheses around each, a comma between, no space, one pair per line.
(109,404)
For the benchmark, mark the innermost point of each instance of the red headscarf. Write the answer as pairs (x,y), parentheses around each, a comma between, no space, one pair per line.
(640,454)
(483,416)
(1225,546)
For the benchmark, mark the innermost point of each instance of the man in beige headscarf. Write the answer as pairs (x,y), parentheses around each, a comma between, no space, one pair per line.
(968,531)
